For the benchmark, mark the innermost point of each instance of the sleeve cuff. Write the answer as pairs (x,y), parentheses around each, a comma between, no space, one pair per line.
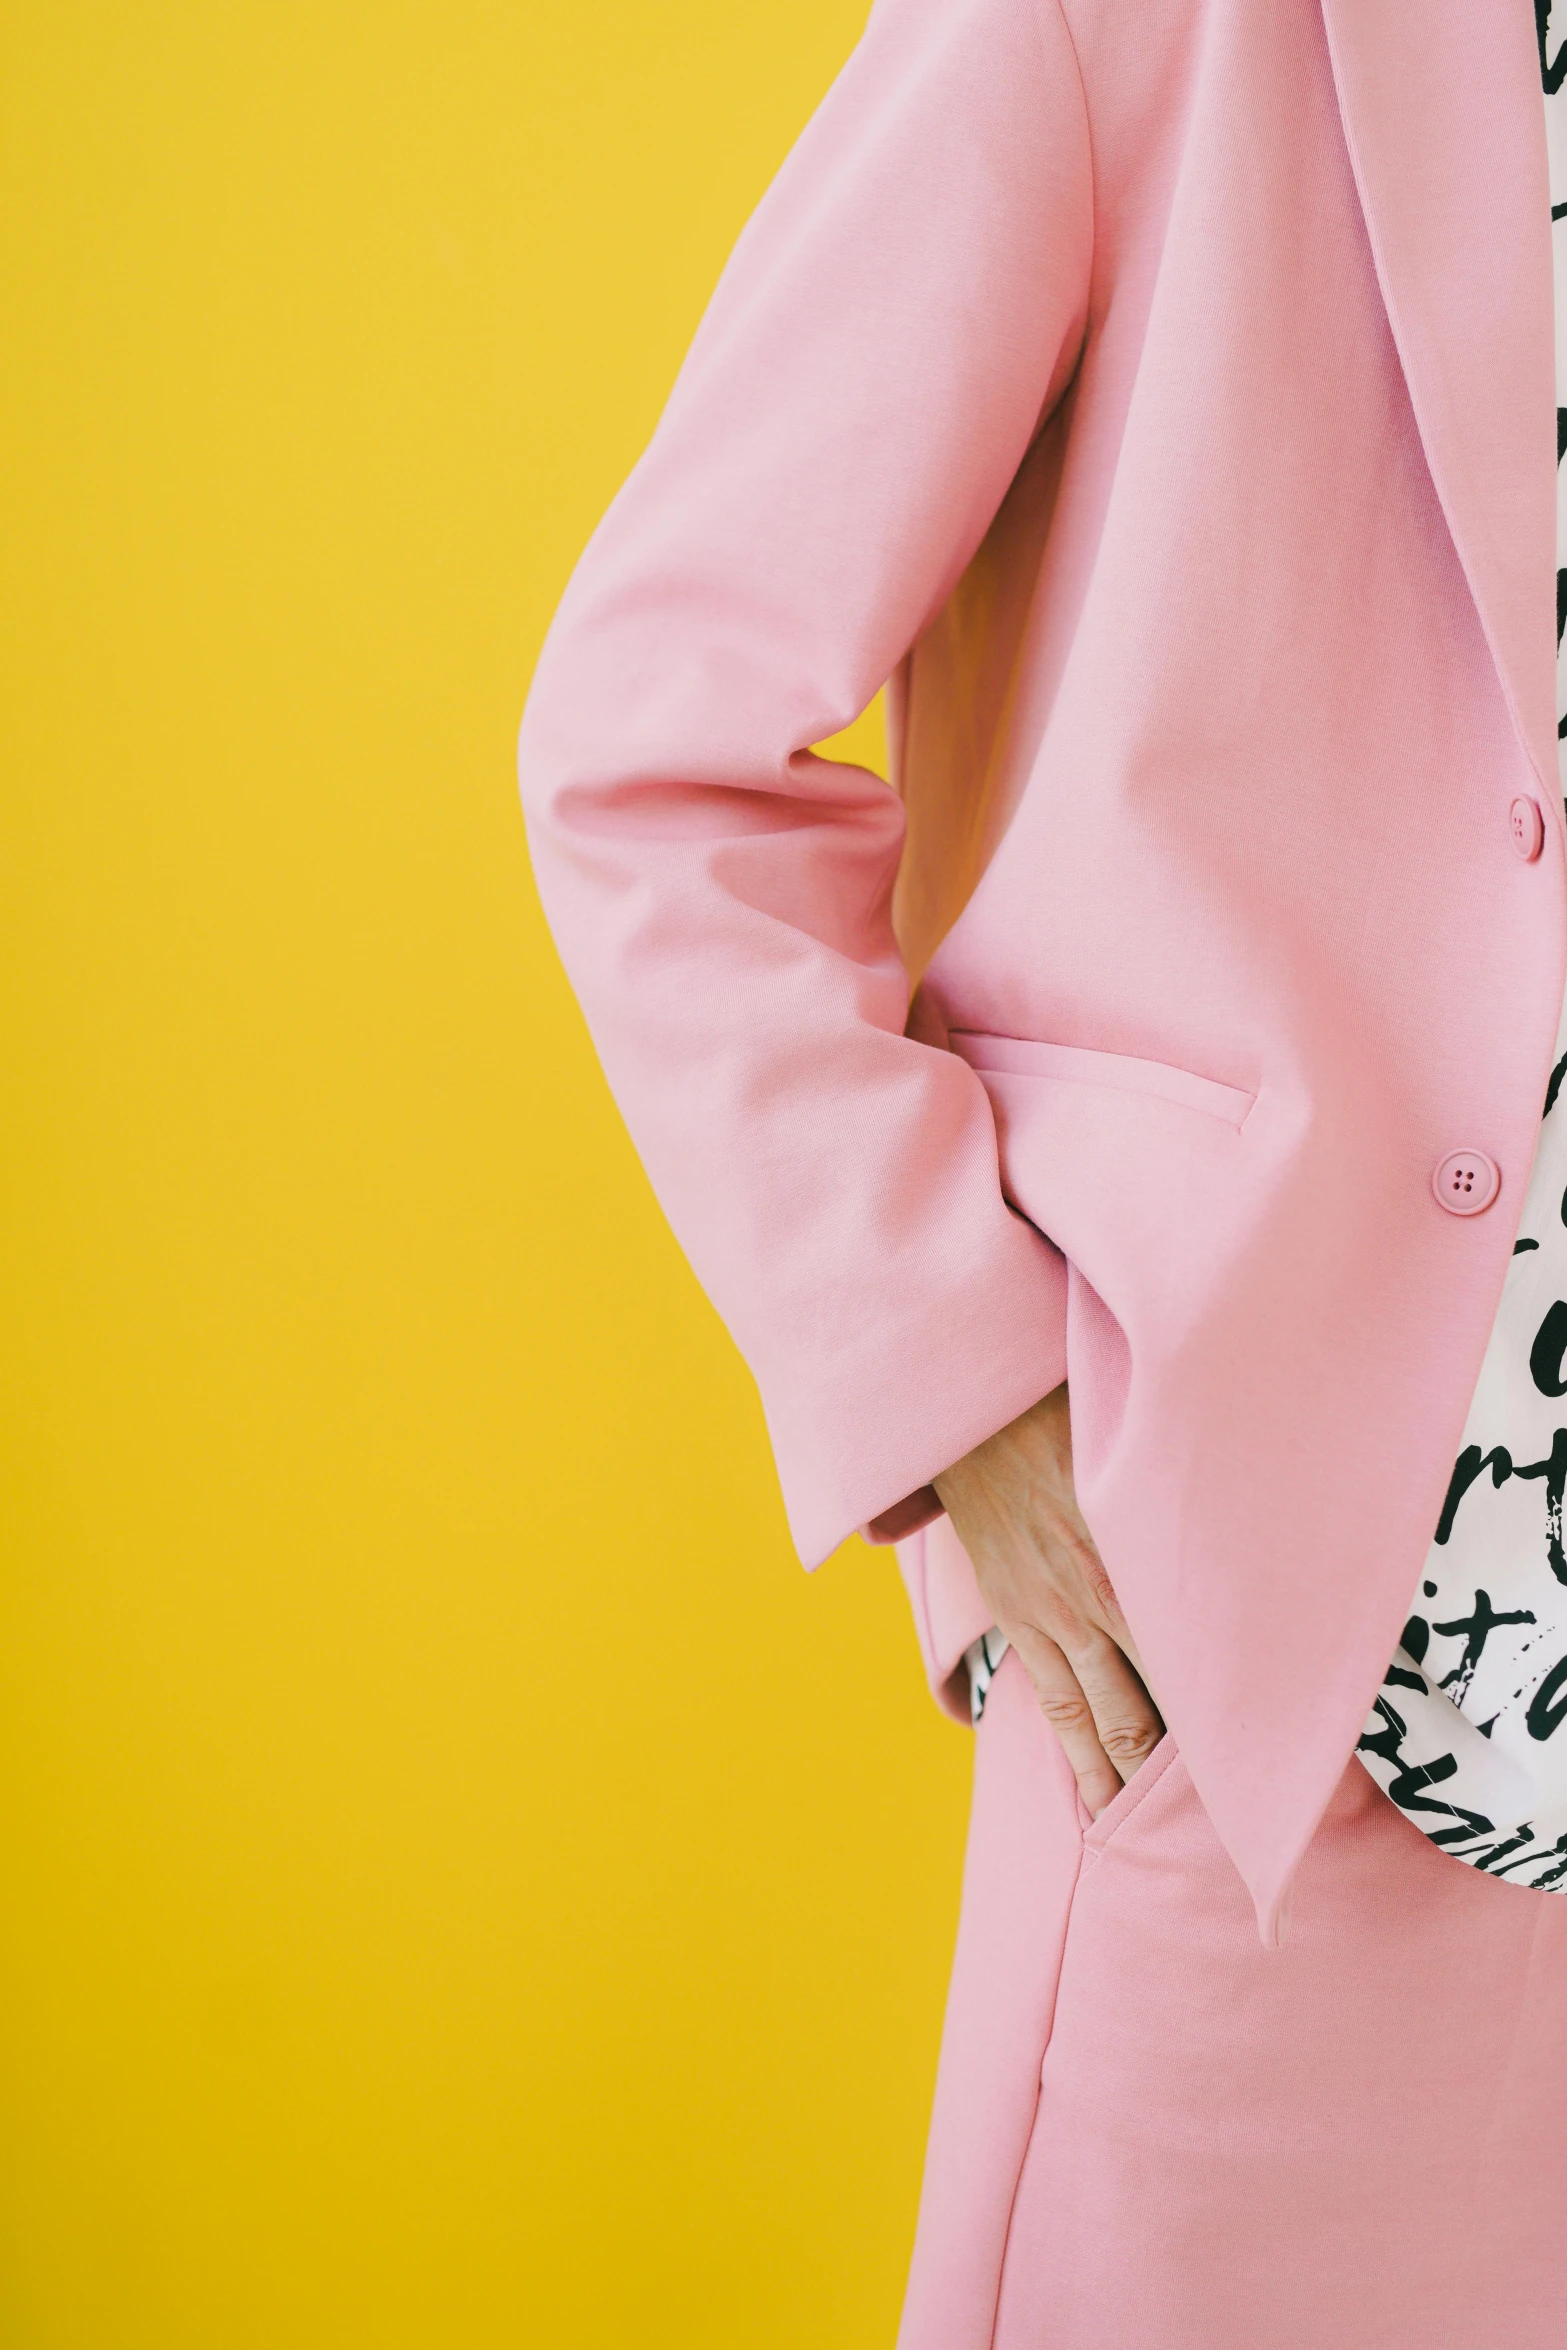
(904,1518)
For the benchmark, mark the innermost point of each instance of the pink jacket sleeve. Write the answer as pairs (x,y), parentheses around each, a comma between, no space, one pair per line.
(903,308)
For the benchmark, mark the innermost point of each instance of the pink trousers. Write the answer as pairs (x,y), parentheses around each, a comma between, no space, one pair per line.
(1152,2134)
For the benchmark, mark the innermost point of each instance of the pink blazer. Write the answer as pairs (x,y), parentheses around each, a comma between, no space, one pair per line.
(1161,396)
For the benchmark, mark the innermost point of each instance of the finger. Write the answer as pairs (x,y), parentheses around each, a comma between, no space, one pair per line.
(1104,1605)
(1065,1707)
(1095,1603)
(1126,1719)
(1102,1590)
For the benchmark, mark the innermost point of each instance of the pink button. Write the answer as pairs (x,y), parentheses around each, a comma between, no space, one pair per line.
(1466,1182)
(1528,828)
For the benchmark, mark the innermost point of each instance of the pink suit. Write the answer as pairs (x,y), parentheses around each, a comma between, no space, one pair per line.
(1161,397)
(1152,2134)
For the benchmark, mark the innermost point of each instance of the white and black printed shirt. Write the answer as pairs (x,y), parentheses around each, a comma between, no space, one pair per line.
(1469,1733)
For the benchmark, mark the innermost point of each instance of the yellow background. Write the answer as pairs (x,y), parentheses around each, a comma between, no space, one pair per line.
(401,1942)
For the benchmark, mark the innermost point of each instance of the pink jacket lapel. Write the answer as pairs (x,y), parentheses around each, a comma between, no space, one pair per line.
(1445,127)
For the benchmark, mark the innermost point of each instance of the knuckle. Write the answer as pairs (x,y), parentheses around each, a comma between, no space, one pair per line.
(1059,1621)
(1101,1586)
(1129,1741)
(1064,1709)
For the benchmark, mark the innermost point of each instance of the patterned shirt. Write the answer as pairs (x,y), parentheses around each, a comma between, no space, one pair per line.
(1468,1735)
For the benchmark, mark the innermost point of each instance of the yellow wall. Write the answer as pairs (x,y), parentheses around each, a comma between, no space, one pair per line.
(397,1946)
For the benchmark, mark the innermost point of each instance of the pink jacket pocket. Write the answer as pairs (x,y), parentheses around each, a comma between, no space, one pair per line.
(1021,1056)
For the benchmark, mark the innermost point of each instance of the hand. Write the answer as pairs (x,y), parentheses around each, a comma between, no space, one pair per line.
(1014,1508)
